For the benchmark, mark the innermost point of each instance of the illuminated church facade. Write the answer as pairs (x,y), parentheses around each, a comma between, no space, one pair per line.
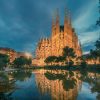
(61,36)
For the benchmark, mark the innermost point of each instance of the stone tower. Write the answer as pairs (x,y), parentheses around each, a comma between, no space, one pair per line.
(61,36)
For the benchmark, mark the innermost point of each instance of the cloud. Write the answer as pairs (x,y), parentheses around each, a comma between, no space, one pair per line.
(85,25)
(91,28)
(87,15)
(88,39)
(24,22)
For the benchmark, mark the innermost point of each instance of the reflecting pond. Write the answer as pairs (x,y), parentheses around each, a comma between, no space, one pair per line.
(50,85)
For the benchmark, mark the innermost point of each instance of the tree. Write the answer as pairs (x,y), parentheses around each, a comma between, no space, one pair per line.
(4,60)
(80,59)
(50,59)
(93,55)
(28,61)
(68,54)
(21,61)
(97,44)
(60,59)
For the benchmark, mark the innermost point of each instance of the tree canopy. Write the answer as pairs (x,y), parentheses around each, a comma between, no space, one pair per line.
(4,60)
(50,59)
(68,52)
(21,61)
(97,44)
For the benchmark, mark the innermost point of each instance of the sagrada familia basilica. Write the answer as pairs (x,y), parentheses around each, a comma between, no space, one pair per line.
(61,36)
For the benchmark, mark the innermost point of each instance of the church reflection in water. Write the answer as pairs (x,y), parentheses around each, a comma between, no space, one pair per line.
(60,85)
(50,85)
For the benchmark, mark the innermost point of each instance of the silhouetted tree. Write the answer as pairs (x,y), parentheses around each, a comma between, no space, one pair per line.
(60,59)
(21,61)
(96,53)
(97,44)
(28,61)
(4,60)
(69,54)
(50,59)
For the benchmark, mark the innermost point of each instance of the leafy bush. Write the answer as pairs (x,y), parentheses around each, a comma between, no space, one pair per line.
(83,64)
(4,60)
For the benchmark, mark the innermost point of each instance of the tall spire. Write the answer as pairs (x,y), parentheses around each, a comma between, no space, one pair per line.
(53,20)
(57,14)
(79,48)
(66,21)
(53,24)
(57,22)
(66,14)
(69,17)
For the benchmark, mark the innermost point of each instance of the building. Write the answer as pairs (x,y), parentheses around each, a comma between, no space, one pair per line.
(10,52)
(55,87)
(24,54)
(13,54)
(90,60)
(61,36)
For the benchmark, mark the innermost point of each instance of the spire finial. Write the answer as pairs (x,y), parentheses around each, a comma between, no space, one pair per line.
(53,19)
(66,13)
(57,14)
(57,21)
(69,16)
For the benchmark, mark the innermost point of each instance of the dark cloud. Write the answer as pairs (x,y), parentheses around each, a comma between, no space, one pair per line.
(23,22)
(91,28)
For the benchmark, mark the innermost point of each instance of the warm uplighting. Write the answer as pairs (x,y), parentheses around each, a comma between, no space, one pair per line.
(28,55)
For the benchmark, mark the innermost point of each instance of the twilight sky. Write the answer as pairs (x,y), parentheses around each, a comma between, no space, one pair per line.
(23,22)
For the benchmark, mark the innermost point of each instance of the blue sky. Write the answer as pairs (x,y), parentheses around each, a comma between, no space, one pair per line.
(23,22)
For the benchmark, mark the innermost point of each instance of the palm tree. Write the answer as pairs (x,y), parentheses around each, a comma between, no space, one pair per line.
(68,54)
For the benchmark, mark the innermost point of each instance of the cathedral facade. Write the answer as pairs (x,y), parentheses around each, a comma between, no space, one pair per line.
(61,36)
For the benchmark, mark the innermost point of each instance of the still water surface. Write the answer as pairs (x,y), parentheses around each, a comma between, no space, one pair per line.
(51,85)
